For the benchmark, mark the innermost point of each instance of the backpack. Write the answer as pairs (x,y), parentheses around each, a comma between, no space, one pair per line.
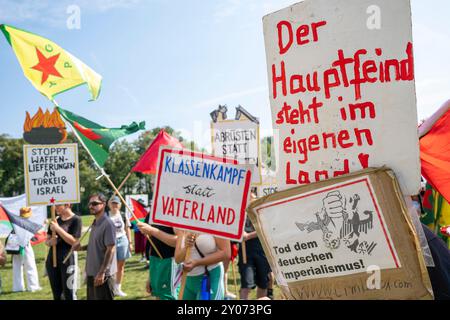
(12,245)
(205,291)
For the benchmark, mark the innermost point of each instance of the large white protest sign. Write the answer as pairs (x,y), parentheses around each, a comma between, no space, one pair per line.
(201,193)
(342,90)
(334,231)
(239,140)
(51,174)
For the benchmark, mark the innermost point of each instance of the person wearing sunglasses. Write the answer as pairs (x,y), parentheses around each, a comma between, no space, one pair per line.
(101,261)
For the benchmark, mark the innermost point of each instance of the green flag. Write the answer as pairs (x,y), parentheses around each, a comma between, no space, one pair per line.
(95,138)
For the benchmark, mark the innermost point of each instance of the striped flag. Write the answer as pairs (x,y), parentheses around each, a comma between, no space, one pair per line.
(139,211)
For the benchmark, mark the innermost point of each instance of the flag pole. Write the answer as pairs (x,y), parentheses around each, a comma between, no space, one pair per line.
(110,182)
(124,181)
(81,239)
(129,209)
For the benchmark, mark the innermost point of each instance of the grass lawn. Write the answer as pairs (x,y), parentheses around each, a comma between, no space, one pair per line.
(136,275)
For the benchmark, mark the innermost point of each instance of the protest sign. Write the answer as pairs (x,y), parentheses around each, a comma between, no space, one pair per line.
(51,174)
(269,183)
(201,193)
(342,90)
(324,239)
(239,140)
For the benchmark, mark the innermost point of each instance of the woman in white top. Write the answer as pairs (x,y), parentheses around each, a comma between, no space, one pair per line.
(204,265)
(123,241)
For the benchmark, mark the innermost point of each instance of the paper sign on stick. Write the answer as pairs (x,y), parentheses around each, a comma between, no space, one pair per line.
(201,193)
(51,174)
(238,139)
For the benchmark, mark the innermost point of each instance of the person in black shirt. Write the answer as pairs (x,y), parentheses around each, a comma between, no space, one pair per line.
(440,273)
(165,273)
(68,230)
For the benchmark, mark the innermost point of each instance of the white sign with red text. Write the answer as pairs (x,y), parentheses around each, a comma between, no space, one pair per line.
(342,89)
(201,193)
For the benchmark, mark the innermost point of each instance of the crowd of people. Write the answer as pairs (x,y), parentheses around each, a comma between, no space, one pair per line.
(203,258)
(169,252)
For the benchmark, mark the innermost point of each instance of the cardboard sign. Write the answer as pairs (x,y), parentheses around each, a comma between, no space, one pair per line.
(239,140)
(322,240)
(342,90)
(201,193)
(51,174)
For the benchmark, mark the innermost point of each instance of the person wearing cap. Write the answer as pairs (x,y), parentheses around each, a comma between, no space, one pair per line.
(68,230)
(123,240)
(101,261)
(24,261)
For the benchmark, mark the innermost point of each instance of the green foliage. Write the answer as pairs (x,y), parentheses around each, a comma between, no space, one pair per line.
(11,166)
(123,155)
(268,153)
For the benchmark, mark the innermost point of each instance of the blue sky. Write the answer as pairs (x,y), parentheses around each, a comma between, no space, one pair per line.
(173,62)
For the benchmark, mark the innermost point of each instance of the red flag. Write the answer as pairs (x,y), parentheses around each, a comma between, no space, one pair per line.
(148,163)
(435,155)
(139,211)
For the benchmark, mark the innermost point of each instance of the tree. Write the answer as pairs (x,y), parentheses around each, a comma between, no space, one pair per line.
(11,166)
(122,156)
(268,153)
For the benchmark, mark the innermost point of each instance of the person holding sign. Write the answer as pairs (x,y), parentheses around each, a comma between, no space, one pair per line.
(68,230)
(101,264)
(164,272)
(204,265)
(123,240)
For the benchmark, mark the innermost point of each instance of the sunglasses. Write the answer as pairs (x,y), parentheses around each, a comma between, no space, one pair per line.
(93,203)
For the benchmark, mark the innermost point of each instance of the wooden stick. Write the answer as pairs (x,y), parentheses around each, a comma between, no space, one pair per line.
(128,207)
(55,263)
(184,276)
(81,239)
(244,252)
(234,279)
(123,182)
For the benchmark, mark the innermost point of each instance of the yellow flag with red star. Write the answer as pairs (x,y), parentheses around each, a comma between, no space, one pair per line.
(50,69)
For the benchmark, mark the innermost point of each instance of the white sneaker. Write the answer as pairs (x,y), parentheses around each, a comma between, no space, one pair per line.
(120,293)
(230,296)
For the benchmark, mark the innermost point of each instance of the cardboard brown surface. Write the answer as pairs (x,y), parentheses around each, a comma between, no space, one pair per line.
(409,280)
